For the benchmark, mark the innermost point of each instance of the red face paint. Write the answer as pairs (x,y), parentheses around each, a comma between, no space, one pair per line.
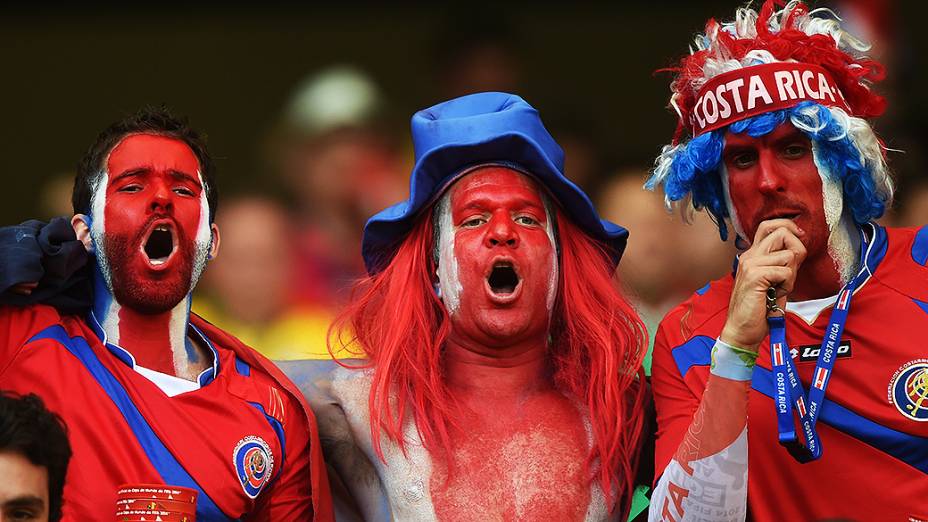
(505,258)
(775,176)
(151,218)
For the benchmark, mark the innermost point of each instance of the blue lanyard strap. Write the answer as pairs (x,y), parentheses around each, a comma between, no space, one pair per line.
(788,390)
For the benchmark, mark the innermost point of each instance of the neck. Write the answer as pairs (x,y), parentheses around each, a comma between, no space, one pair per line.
(156,341)
(825,274)
(479,369)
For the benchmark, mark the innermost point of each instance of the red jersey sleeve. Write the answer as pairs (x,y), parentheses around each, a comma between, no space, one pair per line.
(290,497)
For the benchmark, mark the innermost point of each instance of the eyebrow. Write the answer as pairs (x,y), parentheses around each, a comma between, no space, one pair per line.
(520,203)
(25,501)
(183,176)
(176,174)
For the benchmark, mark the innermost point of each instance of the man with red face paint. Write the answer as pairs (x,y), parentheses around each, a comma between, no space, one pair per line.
(795,388)
(502,377)
(154,397)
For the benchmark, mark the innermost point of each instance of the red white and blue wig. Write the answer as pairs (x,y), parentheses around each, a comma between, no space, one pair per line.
(758,71)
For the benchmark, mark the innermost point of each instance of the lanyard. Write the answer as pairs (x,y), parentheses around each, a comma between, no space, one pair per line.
(788,390)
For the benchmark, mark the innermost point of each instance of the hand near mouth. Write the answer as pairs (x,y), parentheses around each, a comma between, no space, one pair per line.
(773,260)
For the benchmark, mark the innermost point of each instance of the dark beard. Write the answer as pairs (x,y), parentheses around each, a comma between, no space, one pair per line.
(146,293)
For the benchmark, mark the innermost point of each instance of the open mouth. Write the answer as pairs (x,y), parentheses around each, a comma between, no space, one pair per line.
(160,245)
(503,279)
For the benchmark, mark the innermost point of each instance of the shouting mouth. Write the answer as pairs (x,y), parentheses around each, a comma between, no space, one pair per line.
(503,282)
(159,247)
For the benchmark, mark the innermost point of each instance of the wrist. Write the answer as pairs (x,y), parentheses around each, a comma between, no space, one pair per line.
(732,362)
(735,340)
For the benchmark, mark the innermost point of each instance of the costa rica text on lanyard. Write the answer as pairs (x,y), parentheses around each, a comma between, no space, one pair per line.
(788,390)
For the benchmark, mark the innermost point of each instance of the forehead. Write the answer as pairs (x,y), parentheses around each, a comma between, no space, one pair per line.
(784,131)
(497,184)
(152,152)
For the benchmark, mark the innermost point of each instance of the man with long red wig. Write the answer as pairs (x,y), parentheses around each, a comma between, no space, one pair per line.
(500,377)
(822,298)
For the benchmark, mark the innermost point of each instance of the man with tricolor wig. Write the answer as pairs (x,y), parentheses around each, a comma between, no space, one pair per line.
(168,416)
(795,388)
(500,376)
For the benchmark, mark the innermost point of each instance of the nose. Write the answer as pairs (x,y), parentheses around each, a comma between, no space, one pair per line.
(161,199)
(502,231)
(771,177)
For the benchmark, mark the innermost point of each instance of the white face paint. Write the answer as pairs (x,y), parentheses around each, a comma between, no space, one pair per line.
(552,278)
(204,238)
(732,214)
(448,280)
(97,227)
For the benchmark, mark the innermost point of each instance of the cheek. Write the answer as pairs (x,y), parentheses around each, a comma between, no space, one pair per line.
(120,217)
(188,215)
(743,200)
(468,263)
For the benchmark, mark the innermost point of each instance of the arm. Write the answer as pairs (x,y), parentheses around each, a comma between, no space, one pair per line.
(356,486)
(44,263)
(707,434)
(707,476)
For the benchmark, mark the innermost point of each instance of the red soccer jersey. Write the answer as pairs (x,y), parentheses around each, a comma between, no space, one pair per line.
(874,422)
(241,440)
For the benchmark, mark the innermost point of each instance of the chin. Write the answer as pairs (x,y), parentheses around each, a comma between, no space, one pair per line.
(150,297)
(508,326)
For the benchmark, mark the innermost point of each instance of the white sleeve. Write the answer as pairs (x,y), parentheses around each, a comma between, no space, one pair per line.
(707,479)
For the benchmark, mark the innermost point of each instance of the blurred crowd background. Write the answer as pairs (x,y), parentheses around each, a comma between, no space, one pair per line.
(307,108)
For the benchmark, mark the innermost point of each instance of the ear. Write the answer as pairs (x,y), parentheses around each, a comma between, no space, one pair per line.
(214,242)
(81,225)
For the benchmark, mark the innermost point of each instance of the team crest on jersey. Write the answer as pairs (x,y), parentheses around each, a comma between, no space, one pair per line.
(254,464)
(908,390)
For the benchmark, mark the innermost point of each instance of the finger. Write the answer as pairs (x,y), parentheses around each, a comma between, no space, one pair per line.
(760,278)
(775,258)
(765,228)
(783,239)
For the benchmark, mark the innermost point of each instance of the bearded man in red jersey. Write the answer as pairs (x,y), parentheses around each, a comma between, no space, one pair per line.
(155,399)
(502,377)
(822,298)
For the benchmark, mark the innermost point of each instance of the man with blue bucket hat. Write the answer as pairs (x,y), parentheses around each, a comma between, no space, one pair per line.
(498,368)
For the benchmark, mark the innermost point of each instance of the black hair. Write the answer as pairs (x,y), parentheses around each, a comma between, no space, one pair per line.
(29,429)
(148,120)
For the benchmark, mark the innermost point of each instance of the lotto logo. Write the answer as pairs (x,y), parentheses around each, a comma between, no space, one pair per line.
(809,353)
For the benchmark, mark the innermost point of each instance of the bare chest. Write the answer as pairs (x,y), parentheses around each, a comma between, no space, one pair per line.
(527,465)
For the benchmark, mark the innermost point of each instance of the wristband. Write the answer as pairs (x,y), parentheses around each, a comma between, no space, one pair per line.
(732,362)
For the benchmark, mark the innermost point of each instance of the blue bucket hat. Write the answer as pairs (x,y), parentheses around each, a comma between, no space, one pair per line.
(484,128)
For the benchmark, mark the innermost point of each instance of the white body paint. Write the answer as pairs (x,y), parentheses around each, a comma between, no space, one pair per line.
(405,480)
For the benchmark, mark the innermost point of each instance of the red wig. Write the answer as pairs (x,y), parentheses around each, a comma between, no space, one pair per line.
(598,343)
